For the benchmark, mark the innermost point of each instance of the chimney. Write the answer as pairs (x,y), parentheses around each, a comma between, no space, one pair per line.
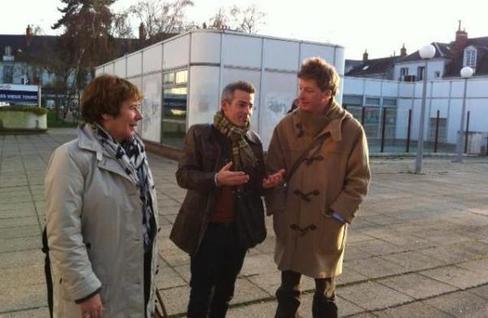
(142,32)
(365,56)
(461,39)
(28,35)
(403,51)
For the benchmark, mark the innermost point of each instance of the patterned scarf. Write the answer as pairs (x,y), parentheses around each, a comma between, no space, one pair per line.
(132,158)
(242,154)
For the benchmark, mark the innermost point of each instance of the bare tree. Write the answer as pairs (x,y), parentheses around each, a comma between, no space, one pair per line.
(238,19)
(121,27)
(159,17)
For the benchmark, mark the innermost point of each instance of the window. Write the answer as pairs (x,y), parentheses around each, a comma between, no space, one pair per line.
(173,119)
(8,51)
(389,101)
(373,101)
(470,57)
(420,73)
(8,73)
(403,73)
(437,74)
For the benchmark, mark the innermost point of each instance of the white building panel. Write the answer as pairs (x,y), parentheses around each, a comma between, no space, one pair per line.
(120,67)
(478,88)
(279,91)
(441,89)
(390,88)
(326,52)
(205,47)
(204,94)
(354,85)
(275,59)
(176,52)
(242,51)
(134,65)
(151,108)
(372,88)
(151,58)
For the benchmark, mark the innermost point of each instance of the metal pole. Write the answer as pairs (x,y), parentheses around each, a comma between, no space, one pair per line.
(467,133)
(409,128)
(436,130)
(363,112)
(459,145)
(420,139)
(383,126)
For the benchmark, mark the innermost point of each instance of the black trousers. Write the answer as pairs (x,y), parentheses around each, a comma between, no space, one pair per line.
(214,269)
(288,296)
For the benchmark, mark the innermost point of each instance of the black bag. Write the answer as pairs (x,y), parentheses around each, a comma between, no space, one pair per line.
(251,229)
(47,272)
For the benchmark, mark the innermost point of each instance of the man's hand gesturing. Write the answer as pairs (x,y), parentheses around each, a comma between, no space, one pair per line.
(225,177)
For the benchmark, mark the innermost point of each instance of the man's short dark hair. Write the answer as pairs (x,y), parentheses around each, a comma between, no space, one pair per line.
(229,90)
(105,95)
(324,74)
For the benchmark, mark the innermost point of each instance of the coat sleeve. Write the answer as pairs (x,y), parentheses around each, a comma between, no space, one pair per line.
(275,198)
(64,192)
(356,180)
(190,174)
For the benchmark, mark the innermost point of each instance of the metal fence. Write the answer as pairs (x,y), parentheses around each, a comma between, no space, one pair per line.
(393,130)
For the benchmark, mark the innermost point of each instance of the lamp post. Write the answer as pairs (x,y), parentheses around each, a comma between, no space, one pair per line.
(466,73)
(426,52)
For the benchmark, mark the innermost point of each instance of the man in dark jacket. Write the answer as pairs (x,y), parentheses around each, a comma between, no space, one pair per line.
(219,161)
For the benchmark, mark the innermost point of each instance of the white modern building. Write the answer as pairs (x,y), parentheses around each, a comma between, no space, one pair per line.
(182,78)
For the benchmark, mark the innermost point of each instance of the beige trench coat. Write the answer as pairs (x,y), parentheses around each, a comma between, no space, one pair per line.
(308,239)
(94,227)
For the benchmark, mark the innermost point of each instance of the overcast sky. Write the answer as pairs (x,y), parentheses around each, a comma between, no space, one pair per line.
(381,27)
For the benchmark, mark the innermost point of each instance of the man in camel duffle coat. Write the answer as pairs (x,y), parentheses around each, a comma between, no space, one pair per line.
(312,210)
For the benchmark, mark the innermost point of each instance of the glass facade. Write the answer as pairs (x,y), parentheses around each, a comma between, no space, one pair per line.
(174,112)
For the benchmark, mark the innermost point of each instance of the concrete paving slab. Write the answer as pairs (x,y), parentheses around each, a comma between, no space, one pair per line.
(417,286)
(462,304)
(372,296)
(456,276)
(414,310)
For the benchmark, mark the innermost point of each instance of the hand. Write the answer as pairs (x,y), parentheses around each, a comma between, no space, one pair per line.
(231,178)
(274,179)
(92,307)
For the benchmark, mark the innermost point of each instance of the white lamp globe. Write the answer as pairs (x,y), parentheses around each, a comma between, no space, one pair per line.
(466,72)
(427,52)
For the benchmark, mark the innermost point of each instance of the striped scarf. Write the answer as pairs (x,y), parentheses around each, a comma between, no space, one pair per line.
(242,154)
(131,156)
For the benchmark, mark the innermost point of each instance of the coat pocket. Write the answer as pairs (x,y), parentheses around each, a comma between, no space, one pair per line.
(332,236)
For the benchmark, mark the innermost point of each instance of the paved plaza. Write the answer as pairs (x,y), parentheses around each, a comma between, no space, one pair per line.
(418,247)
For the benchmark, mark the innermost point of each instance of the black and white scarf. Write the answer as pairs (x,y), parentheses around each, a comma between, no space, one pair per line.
(131,156)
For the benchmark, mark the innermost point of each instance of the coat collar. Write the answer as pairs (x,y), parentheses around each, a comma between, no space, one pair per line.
(334,128)
(88,141)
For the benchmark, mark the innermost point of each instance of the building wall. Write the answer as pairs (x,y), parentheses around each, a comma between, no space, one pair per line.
(435,67)
(443,95)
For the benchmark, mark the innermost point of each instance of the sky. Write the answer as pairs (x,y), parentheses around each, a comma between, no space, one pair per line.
(380,27)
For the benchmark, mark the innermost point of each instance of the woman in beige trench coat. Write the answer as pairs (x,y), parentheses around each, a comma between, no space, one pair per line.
(101,210)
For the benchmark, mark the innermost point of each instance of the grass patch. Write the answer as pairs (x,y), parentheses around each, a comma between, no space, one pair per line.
(52,122)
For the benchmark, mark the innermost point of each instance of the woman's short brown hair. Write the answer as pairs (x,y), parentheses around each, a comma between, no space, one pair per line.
(105,95)
(323,73)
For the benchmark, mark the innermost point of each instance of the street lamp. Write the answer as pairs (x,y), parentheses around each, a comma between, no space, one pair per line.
(426,52)
(466,72)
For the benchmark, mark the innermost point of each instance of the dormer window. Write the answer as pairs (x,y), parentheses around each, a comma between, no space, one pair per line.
(8,51)
(470,57)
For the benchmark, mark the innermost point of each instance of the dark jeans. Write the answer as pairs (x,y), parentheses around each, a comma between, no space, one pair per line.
(214,270)
(288,295)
